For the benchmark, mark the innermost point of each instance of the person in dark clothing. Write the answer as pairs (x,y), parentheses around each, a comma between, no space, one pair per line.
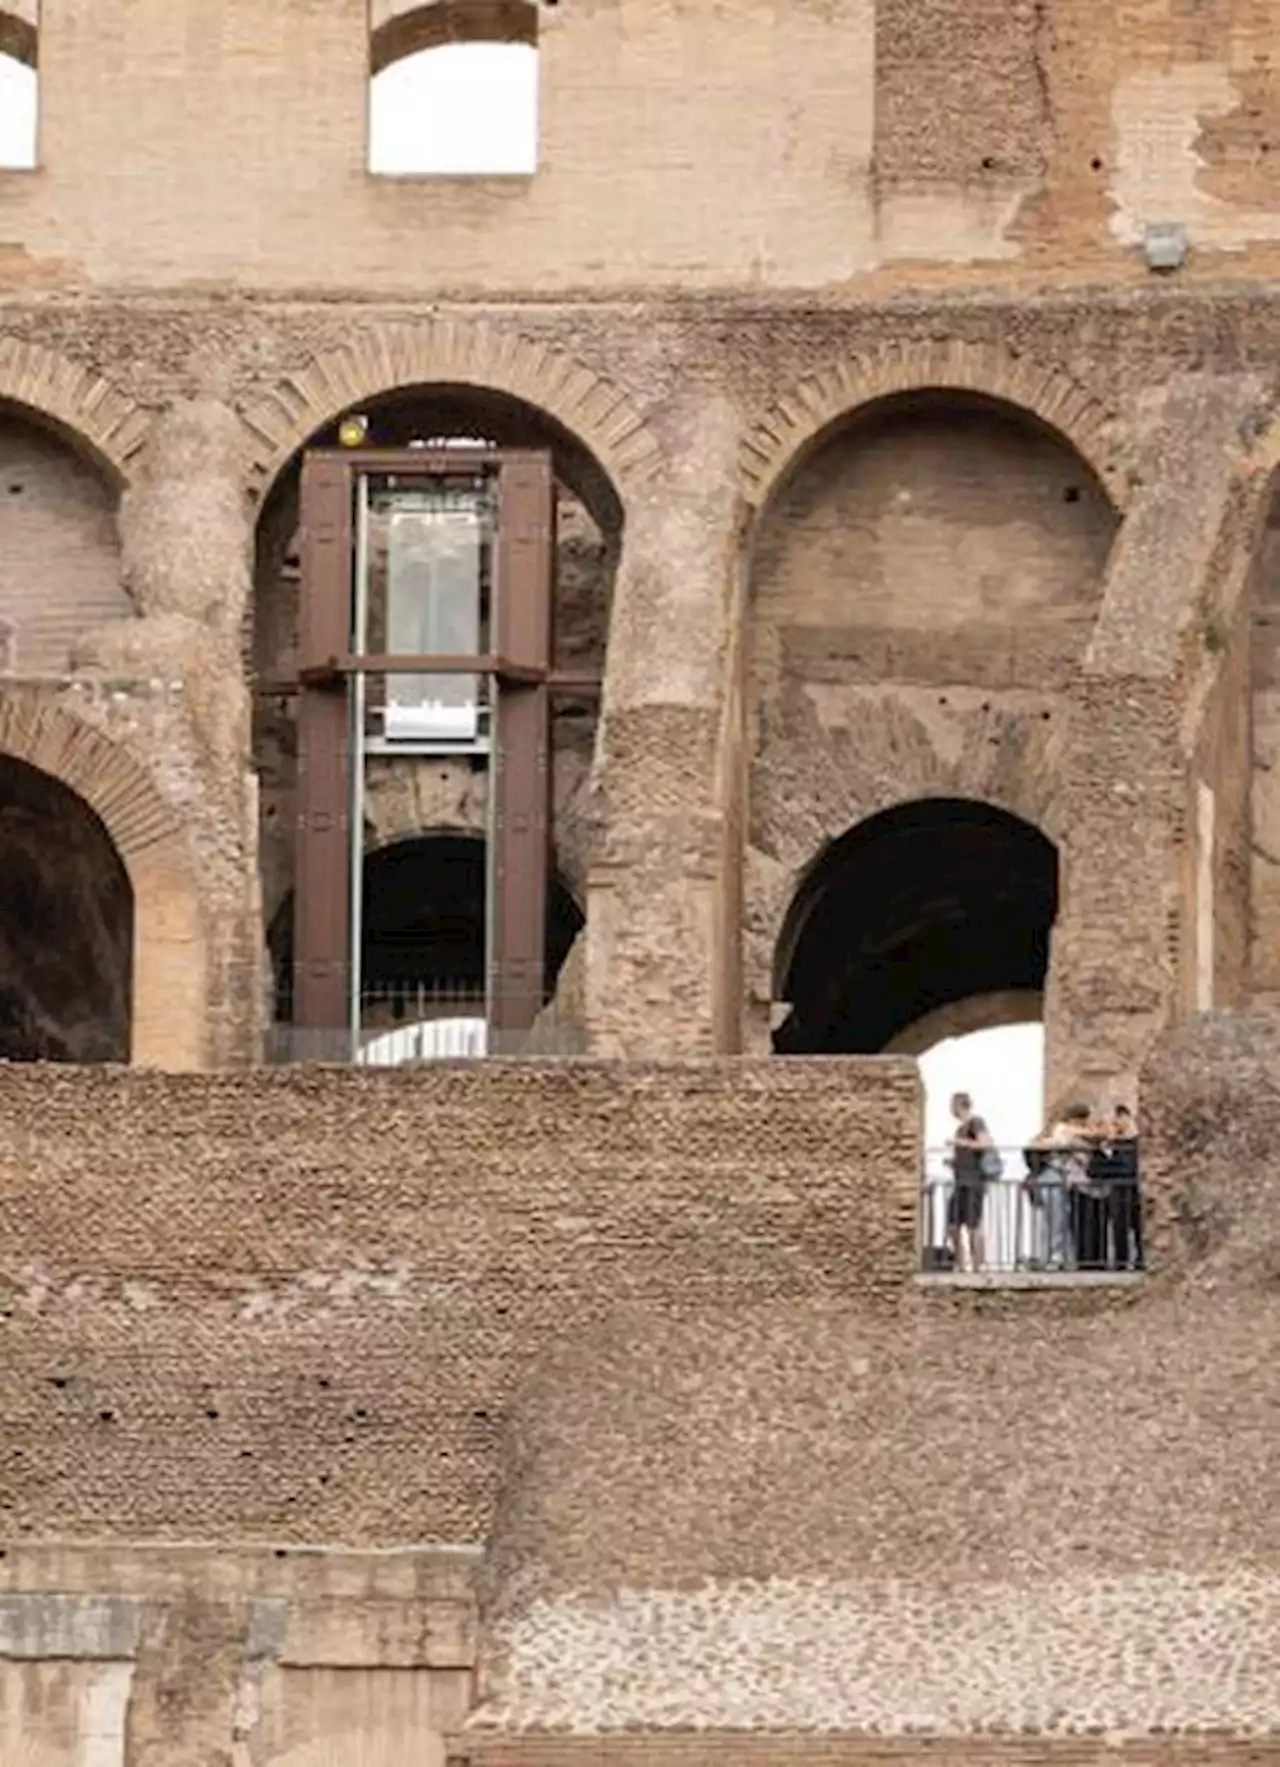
(971,1146)
(1124,1203)
(1091,1203)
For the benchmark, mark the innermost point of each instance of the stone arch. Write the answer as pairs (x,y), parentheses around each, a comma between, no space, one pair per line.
(887,758)
(910,914)
(780,441)
(403,30)
(169,969)
(448,352)
(19,36)
(980,1012)
(91,412)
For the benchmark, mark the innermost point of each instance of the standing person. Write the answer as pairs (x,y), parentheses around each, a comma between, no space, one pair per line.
(1065,1176)
(973,1160)
(1125,1202)
(1091,1199)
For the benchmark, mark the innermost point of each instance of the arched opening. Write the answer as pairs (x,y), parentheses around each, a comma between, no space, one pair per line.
(922,586)
(929,525)
(453,90)
(918,908)
(19,89)
(423,936)
(406,791)
(59,547)
(66,926)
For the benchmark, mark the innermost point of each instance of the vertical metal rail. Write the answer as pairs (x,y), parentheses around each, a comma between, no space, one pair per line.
(359,644)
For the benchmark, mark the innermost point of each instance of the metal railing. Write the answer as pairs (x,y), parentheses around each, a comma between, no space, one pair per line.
(407,1024)
(1050,1212)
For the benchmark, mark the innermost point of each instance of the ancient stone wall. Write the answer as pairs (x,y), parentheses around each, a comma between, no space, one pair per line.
(163,1657)
(59,552)
(293,1305)
(896,165)
(982,1515)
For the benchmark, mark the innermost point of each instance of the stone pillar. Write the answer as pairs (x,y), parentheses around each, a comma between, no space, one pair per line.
(1114,964)
(659,916)
(1124,958)
(186,528)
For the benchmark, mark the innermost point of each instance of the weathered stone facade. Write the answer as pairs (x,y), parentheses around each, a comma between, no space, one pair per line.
(924,540)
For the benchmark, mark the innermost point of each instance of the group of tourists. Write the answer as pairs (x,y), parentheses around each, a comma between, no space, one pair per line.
(1078,1200)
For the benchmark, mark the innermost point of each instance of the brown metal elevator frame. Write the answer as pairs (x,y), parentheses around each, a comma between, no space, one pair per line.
(519,667)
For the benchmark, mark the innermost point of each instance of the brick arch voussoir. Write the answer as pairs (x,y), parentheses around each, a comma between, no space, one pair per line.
(456,353)
(19,36)
(92,411)
(408,28)
(145,829)
(781,438)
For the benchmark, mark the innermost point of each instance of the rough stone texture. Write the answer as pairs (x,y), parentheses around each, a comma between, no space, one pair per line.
(66,926)
(169,1656)
(706,1748)
(293,1304)
(1010,1515)
(758,235)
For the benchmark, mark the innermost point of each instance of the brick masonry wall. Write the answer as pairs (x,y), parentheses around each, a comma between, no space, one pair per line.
(703,1749)
(897,164)
(59,555)
(294,1304)
(1003,1515)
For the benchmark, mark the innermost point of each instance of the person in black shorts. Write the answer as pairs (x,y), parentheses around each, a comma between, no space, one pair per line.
(968,1195)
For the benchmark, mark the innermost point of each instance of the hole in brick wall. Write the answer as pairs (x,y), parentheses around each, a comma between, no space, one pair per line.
(988,163)
(1071,494)
(424,928)
(19,94)
(454,91)
(1095,164)
(106,1417)
(212,1415)
(15,490)
(281,1552)
(324,1381)
(58,1380)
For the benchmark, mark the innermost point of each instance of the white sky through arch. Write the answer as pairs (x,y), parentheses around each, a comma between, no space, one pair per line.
(17,113)
(466,107)
(1001,1069)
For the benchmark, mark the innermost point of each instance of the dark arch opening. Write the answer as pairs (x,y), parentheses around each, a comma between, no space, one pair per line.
(919,907)
(66,925)
(423,934)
